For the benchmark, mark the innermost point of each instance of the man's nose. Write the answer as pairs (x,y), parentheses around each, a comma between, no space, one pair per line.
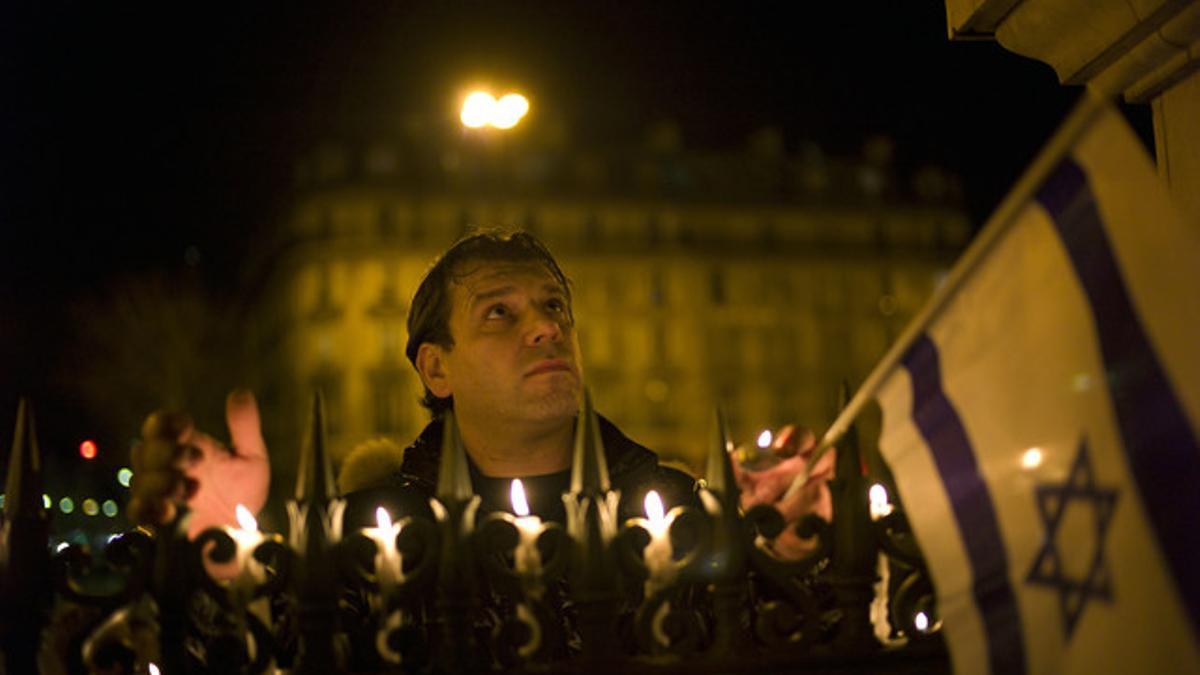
(544,329)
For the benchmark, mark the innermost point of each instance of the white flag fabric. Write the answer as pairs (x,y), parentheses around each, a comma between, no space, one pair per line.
(1043,427)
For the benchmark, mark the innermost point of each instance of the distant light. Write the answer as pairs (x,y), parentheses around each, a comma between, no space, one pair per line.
(87,449)
(1,501)
(109,507)
(66,505)
(46,500)
(1032,458)
(478,109)
(921,622)
(90,506)
(152,669)
(509,110)
(124,475)
(112,537)
(62,546)
(880,506)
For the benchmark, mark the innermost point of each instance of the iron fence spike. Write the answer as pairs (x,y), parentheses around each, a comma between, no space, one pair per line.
(589,466)
(315,480)
(454,474)
(23,489)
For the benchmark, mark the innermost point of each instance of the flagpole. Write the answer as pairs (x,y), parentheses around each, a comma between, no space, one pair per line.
(1077,122)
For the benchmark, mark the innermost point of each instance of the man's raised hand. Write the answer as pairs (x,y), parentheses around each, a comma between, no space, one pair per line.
(794,448)
(176,464)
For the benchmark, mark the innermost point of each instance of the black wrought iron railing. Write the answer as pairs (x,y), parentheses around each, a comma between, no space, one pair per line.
(452,589)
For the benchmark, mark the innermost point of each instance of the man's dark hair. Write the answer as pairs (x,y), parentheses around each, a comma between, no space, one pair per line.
(429,313)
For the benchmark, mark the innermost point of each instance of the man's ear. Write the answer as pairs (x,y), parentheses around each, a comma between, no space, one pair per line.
(431,366)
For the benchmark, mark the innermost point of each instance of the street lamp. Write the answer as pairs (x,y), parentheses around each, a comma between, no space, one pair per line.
(481,109)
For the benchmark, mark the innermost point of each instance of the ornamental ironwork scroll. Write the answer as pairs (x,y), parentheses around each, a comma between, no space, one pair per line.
(449,588)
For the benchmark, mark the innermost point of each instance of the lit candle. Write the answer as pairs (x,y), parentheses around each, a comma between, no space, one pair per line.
(250,572)
(879,504)
(658,553)
(387,559)
(527,559)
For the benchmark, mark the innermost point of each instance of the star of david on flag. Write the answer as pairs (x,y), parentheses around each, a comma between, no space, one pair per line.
(1042,416)
(1049,569)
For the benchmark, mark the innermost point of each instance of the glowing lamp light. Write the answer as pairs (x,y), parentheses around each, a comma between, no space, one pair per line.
(764,439)
(87,449)
(46,500)
(519,503)
(509,110)
(246,519)
(481,109)
(66,505)
(109,508)
(1032,458)
(124,475)
(152,669)
(478,109)
(921,621)
(62,546)
(90,507)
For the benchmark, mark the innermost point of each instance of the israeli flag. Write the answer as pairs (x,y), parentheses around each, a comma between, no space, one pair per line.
(1042,415)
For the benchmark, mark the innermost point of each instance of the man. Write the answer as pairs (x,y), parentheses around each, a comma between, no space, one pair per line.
(492,336)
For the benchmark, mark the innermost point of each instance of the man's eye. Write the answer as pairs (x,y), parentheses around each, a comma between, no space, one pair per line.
(556,306)
(497,312)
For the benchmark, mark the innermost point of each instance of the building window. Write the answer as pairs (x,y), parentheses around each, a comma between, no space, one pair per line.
(658,291)
(324,308)
(388,389)
(716,287)
(387,222)
(593,231)
(328,380)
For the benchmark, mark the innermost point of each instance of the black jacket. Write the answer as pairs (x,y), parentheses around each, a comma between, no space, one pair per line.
(632,468)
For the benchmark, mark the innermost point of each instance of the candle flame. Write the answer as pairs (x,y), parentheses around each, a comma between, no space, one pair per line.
(765,438)
(153,669)
(880,506)
(383,519)
(654,507)
(246,519)
(520,506)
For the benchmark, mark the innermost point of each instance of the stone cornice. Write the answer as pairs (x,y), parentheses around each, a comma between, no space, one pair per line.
(1134,48)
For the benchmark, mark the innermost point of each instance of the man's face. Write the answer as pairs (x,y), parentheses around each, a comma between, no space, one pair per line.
(515,356)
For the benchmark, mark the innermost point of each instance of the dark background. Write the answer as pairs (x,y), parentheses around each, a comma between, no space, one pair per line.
(142,142)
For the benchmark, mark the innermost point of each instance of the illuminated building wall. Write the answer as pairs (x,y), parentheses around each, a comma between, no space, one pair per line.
(759,280)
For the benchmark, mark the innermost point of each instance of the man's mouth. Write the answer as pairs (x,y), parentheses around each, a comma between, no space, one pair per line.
(550,366)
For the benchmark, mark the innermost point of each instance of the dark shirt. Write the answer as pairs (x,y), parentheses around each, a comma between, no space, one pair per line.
(633,470)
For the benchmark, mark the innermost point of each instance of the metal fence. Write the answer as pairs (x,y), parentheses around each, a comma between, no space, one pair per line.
(455,590)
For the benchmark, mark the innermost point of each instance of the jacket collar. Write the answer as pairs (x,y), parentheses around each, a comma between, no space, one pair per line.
(420,465)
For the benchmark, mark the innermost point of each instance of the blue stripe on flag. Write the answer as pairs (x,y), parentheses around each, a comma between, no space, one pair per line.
(971,501)
(1158,441)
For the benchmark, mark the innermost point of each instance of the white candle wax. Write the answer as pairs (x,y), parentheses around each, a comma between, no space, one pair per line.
(526,558)
(387,559)
(250,572)
(658,554)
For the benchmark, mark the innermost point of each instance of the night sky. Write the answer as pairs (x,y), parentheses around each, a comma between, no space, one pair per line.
(130,134)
